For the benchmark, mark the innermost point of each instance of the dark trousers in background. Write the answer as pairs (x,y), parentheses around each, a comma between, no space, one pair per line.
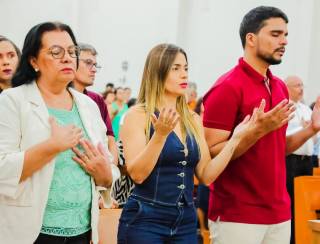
(315,161)
(84,238)
(297,165)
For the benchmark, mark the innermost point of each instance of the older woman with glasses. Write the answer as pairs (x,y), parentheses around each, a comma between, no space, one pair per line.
(54,162)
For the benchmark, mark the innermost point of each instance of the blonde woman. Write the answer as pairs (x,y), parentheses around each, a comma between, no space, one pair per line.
(171,145)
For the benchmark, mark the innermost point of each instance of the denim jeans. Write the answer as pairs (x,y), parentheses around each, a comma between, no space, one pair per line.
(145,222)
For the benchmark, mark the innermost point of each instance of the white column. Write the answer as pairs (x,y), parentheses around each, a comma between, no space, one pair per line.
(313,75)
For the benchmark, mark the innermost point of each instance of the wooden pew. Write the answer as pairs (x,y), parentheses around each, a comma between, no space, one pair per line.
(108,225)
(307,201)
(316,171)
(315,228)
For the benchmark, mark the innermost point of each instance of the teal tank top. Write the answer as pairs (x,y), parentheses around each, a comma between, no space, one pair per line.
(117,118)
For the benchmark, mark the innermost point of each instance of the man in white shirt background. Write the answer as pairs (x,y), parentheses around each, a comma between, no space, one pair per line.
(299,162)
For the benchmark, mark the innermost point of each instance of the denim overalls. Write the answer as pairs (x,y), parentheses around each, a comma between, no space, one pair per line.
(161,209)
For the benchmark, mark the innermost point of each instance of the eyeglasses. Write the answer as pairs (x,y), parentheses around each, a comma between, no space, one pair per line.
(90,63)
(58,52)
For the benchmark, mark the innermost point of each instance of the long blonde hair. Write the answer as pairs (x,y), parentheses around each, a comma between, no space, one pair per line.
(156,70)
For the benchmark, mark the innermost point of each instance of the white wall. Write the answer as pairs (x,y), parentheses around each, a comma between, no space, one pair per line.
(18,16)
(313,85)
(120,30)
(209,33)
(126,30)
(206,29)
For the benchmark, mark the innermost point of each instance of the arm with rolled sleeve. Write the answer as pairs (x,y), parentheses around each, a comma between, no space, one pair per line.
(17,164)
(11,157)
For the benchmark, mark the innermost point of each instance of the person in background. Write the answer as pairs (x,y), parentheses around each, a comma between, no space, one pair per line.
(127,94)
(131,102)
(54,161)
(9,60)
(119,107)
(192,95)
(315,158)
(199,108)
(109,98)
(109,87)
(299,162)
(84,77)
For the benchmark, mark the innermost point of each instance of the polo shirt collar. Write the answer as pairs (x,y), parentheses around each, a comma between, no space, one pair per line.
(251,72)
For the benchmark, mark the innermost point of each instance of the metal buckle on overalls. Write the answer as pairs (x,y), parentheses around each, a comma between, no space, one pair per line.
(180,204)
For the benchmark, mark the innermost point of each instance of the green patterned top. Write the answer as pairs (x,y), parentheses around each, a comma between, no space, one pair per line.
(117,118)
(68,210)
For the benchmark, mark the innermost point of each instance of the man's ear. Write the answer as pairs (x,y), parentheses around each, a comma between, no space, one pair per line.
(251,39)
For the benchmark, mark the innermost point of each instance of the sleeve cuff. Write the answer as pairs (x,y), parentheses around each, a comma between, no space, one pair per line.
(105,192)
(11,174)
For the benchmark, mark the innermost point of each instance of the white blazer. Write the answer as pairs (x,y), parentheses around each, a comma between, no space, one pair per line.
(24,123)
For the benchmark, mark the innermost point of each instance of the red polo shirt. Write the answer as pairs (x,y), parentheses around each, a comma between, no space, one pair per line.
(252,189)
(103,109)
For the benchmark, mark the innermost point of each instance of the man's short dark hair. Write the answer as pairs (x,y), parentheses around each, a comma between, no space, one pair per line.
(110,85)
(255,19)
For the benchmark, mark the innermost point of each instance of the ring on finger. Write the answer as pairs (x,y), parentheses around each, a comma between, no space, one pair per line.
(84,156)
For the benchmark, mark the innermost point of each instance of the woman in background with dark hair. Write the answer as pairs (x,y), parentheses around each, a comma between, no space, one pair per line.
(118,109)
(9,59)
(53,157)
(109,97)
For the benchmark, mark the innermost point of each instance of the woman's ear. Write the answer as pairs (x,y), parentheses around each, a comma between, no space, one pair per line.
(33,62)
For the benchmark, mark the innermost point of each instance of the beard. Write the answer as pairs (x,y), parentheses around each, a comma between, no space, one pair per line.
(269,58)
